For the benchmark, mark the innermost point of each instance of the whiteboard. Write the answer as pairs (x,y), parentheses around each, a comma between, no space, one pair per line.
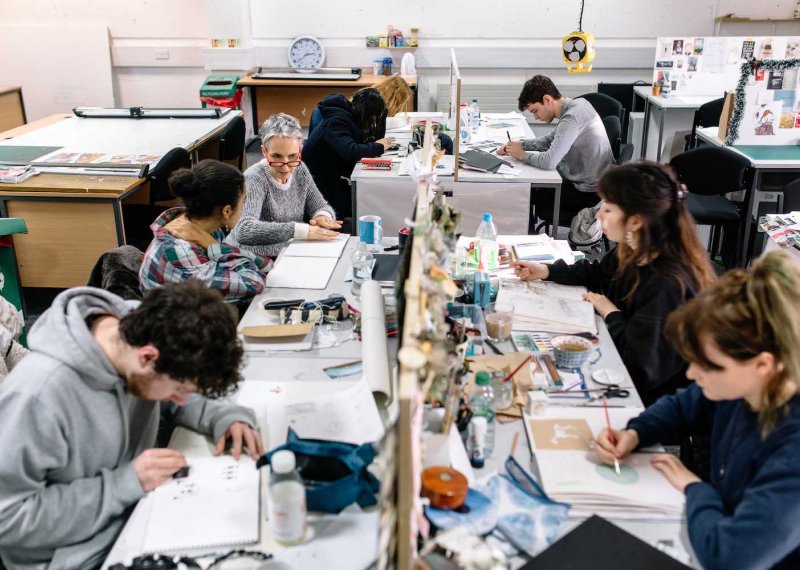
(59,66)
(349,19)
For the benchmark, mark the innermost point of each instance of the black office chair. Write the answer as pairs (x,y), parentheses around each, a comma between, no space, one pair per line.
(138,217)
(709,173)
(791,197)
(623,152)
(608,107)
(231,142)
(707,115)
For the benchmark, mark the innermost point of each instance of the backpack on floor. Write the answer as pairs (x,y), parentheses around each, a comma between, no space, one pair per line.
(585,231)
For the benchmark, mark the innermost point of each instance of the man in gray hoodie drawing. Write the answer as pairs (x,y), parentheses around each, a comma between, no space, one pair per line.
(79,415)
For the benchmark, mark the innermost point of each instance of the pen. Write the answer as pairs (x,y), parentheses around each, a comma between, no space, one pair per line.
(494,348)
(508,135)
(611,435)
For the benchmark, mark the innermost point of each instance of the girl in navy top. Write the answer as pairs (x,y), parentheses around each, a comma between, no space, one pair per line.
(741,337)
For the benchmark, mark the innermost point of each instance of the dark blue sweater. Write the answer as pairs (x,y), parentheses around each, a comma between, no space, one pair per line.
(334,147)
(748,516)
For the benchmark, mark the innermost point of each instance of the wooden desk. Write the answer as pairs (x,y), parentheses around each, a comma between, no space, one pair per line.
(12,108)
(73,219)
(299,97)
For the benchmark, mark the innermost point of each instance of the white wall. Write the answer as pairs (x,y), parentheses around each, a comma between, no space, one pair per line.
(159,47)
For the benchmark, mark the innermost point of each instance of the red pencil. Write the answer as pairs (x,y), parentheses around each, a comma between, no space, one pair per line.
(611,437)
(517,369)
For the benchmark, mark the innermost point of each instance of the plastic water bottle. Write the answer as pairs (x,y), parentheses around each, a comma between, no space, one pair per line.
(474,116)
(363,262)
(488,248)
(287,499)
(480,438)
(463,128)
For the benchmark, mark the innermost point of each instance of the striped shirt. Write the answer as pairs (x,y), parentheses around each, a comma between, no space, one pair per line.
(237,274)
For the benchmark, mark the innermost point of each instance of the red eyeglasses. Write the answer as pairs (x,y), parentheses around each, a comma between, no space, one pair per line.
(290,163)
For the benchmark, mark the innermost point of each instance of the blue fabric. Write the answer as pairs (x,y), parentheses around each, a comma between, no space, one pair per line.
(747,516)
(316,119)
(339,472)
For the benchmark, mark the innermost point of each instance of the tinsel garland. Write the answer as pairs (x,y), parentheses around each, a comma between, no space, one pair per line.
(751,68)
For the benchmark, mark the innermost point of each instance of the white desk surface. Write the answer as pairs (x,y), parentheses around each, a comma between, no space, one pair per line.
(301,373)
(519,130)
(710,136)
(674,101)
(122,136)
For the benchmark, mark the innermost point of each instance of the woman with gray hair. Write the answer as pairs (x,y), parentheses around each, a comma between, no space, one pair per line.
(282,201)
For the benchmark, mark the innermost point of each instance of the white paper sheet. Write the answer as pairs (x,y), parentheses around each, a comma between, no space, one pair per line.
(350,416)
(317,248)
(217,504)
(534,312)
(302,272)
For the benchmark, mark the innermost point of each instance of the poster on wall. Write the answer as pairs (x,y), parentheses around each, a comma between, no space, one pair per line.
(772,110)
(748,47)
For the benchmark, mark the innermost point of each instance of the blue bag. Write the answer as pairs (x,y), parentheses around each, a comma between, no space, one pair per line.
(335,474)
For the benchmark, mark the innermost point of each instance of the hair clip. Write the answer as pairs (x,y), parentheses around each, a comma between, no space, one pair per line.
(681,193)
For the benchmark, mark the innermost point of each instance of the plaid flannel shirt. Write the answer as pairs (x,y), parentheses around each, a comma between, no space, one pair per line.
(236,273)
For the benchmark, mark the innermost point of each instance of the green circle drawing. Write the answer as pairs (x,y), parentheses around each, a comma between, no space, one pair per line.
(627,474)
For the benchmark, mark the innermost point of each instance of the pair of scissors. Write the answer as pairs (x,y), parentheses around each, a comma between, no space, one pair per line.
(610,391)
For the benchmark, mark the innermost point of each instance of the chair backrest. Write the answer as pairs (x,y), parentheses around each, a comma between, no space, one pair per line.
(711,170)
(707,115)
(606,107)
(174,159)
(625,153)
(613,128)
(791,197)
(231,141)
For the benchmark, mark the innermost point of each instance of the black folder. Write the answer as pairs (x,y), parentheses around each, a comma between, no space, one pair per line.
(480,160)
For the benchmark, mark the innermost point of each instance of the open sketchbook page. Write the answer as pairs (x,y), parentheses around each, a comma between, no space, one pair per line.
(534,312)
(217,504)
(317,248)
(349,415)
(302,272)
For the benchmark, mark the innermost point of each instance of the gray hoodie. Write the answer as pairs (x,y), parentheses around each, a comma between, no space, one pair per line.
(68,434)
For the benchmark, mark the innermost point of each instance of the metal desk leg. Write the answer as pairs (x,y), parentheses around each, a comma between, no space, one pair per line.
(660,135)
(556,207)
(254,109)
(645,127)
(748,216)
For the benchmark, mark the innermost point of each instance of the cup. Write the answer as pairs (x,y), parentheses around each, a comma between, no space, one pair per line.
(656,90)
(499,319)
(402,237)
(370,230)
(572,351)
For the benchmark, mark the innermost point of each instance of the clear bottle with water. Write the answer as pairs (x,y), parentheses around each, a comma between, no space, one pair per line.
(480,435)
(474,116)
(363,262)
(488,248)
(287,499)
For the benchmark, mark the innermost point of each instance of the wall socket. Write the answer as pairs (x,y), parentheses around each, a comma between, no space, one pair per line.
(162,53)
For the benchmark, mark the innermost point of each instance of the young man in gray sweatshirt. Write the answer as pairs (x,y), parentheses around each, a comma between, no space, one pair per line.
(577,148)
(79,415)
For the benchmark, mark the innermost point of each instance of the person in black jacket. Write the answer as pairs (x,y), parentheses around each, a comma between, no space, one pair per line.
(658,264)
(348,132)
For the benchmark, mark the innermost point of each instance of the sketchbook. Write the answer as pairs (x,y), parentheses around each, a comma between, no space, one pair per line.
(570,470)
(302,272)
(217,504)
(317,248)
(546,313)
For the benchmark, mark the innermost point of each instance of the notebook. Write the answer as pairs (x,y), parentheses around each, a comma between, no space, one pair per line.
(302,272)
(596,544)
(217,504)
(479,160)
(385,269)
(317,248)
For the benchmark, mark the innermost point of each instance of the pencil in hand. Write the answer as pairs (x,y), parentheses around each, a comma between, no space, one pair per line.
(611,437)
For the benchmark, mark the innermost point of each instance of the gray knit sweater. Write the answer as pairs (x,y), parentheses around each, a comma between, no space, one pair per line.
(274,213)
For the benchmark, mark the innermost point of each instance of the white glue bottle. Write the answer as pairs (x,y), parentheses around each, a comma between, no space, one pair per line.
(287,500)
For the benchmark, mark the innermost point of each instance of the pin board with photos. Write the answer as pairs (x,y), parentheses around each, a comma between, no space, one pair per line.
(766,108)
(710,65)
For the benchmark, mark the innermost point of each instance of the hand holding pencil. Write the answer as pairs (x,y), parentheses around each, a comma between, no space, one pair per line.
(616,445)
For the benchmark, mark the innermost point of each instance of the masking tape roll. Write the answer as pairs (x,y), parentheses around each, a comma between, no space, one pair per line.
(445,487)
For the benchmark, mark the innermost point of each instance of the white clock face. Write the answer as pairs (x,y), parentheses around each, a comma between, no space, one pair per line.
(306,53)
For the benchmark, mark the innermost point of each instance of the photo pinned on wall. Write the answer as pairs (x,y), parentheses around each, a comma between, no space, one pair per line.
(775,81)
(692,63)
(764,49)
(665,64)
(677,47)
(760,74)
(748,47)
(698,46)
(679,63)
(787,100)
(793,48)
(765,118)
(664,49)
(688,47)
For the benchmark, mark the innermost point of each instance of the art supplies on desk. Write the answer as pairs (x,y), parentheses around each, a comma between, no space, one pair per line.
(376,164)
(540,251)
(534,312)
(317,248)
(563,443)
(302,272)
(216,504)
